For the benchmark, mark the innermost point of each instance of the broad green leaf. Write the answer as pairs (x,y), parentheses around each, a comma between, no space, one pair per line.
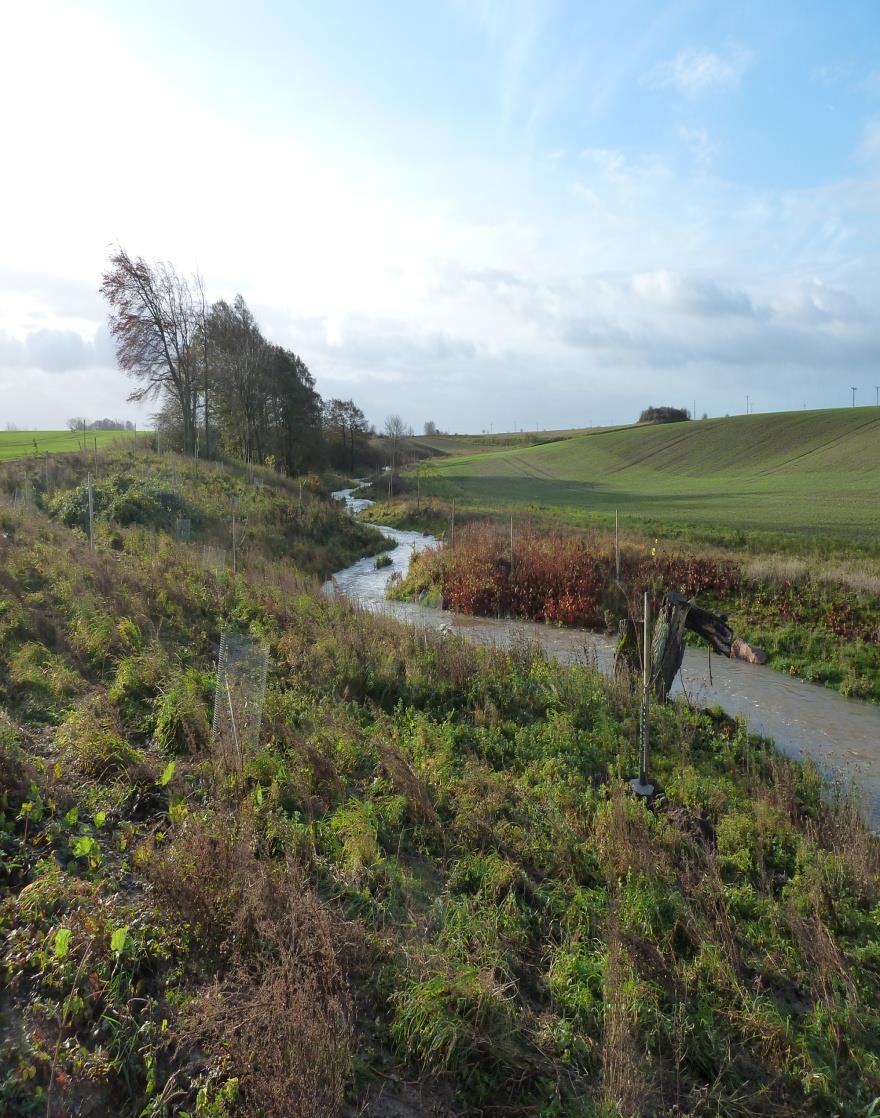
(72,817)
(84,846)
(62,943)
(167,774)
(118,940)
(100,818)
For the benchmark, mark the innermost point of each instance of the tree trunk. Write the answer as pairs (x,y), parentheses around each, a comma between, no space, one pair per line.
(676,614)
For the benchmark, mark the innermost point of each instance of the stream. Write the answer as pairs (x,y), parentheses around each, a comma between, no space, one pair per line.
(805,719)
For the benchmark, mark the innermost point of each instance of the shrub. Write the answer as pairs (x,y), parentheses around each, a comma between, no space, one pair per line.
(279,1011)
(91,737)
(182,723)
(459,1020)
(282,1014)
(122,499)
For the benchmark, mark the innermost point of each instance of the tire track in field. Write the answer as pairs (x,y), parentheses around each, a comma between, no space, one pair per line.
(528,470)
(651,454)
(823,446)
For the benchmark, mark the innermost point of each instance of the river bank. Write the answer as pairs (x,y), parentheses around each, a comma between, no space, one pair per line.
(805,720)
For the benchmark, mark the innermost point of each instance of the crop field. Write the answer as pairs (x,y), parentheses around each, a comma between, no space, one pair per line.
(23,444)
(503,440)
(808,477)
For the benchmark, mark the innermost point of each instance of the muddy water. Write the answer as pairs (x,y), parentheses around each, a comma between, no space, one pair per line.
(841,735)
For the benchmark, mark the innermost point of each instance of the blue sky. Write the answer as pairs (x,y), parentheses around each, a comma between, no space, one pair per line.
(478,213)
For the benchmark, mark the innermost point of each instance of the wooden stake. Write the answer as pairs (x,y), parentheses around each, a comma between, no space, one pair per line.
(91,515)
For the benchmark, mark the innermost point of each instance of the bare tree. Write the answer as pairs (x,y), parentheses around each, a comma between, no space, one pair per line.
(204,333)
(153,321)
(395,429)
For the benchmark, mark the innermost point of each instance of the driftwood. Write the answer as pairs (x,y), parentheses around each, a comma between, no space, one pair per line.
(676,614)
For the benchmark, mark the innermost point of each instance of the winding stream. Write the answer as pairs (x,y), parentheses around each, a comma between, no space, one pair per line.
(841,735)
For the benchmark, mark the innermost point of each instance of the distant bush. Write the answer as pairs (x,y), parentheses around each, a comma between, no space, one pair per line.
(664,415)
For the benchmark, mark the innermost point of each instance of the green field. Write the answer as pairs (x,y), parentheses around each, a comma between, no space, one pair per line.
(23,444)
(808,477)
(503,440)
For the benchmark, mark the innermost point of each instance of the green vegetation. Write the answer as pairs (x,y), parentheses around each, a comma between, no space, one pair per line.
(792,481)
(23,444)
(476,444)
(426,892)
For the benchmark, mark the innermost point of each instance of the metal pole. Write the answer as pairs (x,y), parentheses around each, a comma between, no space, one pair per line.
(617,545)
(91,515)
(640,784)
(96,457)
(646,688)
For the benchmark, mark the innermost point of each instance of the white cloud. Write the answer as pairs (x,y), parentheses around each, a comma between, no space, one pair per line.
(870,145)
(695,70)
(700,144)
(829,75)
(56,351)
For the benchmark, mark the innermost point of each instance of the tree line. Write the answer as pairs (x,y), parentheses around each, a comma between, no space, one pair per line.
(221,386)
(80,423)
(664,415)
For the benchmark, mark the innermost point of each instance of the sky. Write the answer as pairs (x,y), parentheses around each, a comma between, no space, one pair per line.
(491,215)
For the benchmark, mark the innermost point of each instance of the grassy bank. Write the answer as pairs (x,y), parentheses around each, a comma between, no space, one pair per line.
(822,623)
(798,482)
(425,892)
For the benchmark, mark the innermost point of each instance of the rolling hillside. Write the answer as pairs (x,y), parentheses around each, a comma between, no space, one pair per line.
(810,473)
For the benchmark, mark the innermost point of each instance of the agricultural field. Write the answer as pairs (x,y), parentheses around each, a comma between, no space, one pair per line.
(801,480)
(476,444)
(422,887)
(22,444)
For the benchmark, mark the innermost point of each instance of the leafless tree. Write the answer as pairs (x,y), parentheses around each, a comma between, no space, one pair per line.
(395,429)
(204,337)
(153,320)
